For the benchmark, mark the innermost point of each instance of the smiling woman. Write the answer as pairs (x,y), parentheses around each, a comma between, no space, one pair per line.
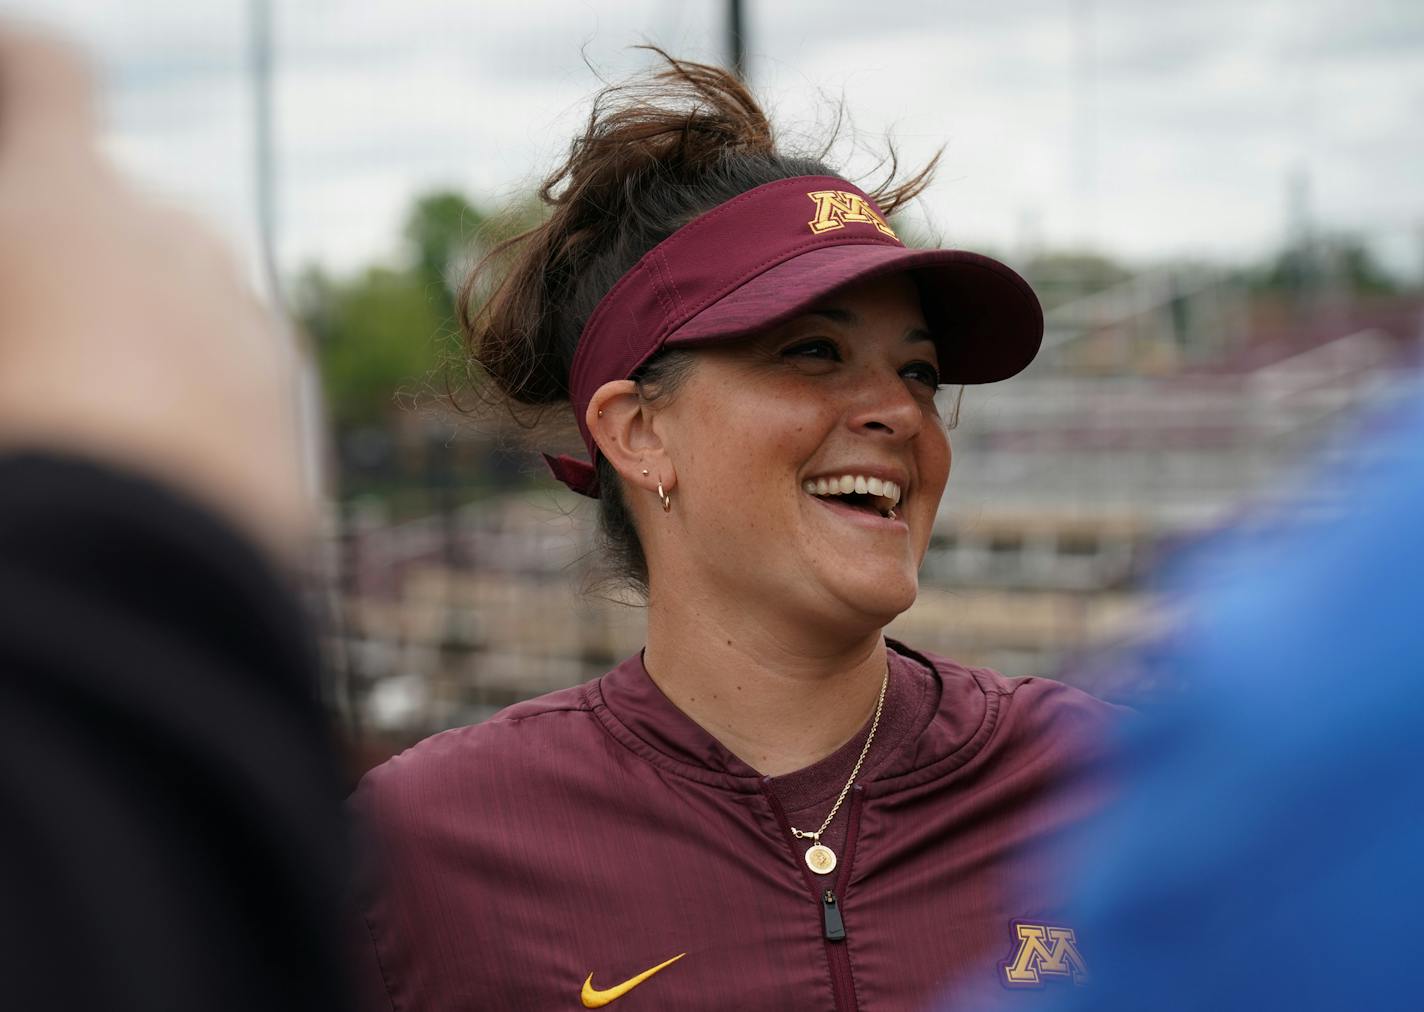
(771,806)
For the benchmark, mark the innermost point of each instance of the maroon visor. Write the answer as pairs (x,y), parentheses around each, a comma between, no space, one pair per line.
(770,255)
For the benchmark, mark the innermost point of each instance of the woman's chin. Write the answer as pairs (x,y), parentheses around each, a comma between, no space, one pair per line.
(873,603)
(836,601)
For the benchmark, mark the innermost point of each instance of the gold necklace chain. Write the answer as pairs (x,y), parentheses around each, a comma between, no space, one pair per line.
(875,723)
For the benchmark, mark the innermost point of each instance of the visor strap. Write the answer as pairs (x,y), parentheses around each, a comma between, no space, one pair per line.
(578,475)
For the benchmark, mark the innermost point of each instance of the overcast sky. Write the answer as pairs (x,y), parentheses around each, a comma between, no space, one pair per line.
(1144,128)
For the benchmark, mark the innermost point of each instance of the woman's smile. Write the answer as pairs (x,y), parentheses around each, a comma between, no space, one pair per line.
(864,490)
(869,516)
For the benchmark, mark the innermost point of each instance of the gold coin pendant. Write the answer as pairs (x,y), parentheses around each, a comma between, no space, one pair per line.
(821,859)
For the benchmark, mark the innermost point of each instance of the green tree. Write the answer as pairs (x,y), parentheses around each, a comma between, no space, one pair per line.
(376,333)
(1064,275)
(1339,260)
(388,329)
(443,229)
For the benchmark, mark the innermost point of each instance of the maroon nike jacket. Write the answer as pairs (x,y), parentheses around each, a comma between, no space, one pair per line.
(552,856)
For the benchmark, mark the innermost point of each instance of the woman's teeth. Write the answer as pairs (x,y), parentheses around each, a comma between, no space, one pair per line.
(852,483)
(885,495)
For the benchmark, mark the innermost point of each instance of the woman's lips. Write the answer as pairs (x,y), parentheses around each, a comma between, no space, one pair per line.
(864,517)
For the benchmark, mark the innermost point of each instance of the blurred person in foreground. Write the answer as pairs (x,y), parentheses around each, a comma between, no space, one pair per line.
(172,838)
(1270,850)
(771,806)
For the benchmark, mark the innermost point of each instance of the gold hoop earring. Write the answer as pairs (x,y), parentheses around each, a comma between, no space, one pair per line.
(664,497)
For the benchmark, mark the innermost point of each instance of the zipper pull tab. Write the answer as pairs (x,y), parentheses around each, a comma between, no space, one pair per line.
(835,926)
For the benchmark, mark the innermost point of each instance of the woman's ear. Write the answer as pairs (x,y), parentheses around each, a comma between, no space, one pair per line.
(622,427)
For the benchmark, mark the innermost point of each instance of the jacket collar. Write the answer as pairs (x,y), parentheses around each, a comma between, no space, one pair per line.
(635,711)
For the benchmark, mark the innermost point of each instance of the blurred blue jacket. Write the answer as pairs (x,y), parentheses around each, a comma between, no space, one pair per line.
(1270,850)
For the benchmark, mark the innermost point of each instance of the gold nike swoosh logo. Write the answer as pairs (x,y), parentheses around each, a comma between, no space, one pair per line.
(592,997)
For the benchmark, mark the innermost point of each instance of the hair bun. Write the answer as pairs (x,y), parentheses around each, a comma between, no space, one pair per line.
(655,152)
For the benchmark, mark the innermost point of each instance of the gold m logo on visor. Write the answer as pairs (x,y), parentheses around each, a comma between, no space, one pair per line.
(835,208)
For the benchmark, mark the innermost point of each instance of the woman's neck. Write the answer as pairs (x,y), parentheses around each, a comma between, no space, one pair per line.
(777,702)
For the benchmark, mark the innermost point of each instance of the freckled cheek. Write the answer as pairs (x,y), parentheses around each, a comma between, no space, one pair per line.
(934,466)
(774,437)
(936,459)
(748,447)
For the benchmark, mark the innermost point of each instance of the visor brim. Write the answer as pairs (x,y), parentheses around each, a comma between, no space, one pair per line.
(986,320)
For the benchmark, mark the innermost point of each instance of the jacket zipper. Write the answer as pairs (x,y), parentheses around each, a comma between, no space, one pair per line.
(833,926)
(842,983)
(834,930)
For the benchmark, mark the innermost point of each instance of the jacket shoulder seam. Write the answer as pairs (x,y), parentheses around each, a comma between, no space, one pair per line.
(520,718)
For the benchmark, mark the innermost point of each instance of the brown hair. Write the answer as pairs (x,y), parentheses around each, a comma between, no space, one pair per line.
(656,152)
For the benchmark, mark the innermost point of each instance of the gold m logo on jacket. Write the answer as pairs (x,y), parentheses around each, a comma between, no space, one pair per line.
(834,208)
(1044,950)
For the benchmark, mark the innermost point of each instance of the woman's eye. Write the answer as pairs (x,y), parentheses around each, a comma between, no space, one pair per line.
(817,349)
(922,372)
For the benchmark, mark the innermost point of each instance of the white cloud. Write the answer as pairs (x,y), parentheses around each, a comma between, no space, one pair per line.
(1177,135)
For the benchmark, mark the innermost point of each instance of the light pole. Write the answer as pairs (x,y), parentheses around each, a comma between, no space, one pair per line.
(736,39)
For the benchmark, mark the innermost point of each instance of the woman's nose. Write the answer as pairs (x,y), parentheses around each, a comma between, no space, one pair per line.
(883,403)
